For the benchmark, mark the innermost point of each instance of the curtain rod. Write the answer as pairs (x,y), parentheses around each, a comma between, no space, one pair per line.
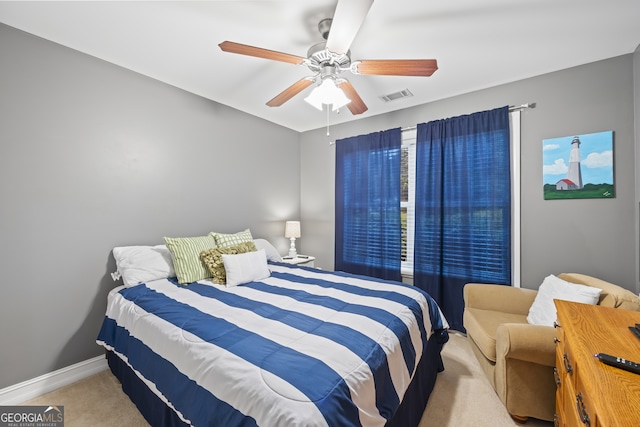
(522,107)
(512,108)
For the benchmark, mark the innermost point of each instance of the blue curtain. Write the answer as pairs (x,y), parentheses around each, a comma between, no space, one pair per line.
(368,204)
(463,207)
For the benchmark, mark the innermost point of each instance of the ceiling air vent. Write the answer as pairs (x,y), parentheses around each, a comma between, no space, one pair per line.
(396,95)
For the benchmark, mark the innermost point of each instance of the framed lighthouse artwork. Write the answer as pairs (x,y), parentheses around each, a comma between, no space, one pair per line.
(578,167)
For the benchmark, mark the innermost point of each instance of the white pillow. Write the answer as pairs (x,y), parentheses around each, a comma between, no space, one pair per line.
(269,249)
(246,267)
(140,264)
(543,310)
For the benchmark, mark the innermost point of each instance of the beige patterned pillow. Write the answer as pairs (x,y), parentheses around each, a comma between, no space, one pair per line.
(225,240)
(212,258)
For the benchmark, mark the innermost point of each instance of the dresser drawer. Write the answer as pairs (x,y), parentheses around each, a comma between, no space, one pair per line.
(575,406)
(567,361)
(584,405)
(559,377)
(569,415)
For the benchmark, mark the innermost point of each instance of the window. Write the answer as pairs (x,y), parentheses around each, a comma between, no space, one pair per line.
(407,198)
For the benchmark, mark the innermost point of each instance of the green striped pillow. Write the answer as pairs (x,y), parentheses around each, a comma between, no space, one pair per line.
(186,257)
(226,240)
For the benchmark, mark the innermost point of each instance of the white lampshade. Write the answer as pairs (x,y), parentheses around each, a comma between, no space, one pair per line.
(292,229)
(327,93)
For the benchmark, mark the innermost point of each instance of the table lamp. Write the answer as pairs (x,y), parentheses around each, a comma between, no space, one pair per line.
(292,231)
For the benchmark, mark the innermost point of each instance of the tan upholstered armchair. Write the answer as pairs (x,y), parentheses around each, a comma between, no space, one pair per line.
(517,357)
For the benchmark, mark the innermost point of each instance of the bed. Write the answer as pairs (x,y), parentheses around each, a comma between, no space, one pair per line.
(301,347)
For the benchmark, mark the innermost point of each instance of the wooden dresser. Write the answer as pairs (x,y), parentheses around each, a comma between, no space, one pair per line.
(590,393)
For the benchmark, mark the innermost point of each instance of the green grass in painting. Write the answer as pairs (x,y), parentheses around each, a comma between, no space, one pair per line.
(590,191)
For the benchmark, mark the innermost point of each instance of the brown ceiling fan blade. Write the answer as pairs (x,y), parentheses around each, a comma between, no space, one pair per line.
(259,52)
(357,105)
(397,67)
(290,92)
(347,20)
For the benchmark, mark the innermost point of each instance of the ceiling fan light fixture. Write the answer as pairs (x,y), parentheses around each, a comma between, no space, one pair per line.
(327,93)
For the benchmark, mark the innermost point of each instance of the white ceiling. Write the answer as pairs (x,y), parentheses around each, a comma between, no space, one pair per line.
(478,44)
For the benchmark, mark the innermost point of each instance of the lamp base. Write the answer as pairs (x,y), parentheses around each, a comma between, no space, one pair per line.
(292,249)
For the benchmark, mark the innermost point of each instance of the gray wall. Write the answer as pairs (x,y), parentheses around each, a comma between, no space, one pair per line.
(93,156)
(594,237)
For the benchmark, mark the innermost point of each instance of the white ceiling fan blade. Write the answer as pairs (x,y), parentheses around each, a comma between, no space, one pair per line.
(347,19)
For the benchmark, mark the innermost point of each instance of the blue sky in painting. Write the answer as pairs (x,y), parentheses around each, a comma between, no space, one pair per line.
(596,158)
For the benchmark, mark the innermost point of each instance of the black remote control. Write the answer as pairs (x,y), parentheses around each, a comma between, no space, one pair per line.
(619,362)
(635,331)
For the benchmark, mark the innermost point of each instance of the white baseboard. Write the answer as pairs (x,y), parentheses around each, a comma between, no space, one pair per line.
(30,389)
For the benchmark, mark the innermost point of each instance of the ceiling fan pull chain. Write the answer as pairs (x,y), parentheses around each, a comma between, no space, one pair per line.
(328,107)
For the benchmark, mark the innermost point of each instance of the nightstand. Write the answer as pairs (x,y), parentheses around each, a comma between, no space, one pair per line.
(305,260)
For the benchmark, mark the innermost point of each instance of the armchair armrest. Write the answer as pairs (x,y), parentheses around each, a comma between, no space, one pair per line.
(522,341)
(505,299)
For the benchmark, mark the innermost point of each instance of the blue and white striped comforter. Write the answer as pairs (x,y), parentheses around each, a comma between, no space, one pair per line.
(303,347)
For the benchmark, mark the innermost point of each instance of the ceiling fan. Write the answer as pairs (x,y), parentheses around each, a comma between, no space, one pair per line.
(328,60)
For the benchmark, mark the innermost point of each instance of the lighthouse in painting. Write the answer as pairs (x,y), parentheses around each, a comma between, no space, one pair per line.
(573,181)
(575,174)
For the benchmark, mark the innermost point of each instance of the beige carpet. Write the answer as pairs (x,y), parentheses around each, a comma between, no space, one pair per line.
(462,397)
